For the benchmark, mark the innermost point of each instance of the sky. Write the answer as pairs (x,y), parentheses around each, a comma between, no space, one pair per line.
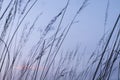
(90,27)
(90,22)
(88,30)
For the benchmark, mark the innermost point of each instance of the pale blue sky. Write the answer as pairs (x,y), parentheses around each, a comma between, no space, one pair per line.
(90,28)
(87,32)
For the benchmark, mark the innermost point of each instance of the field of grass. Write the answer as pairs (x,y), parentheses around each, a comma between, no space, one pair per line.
(45,59)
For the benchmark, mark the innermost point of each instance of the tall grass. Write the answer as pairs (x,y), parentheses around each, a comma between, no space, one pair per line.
(45,60)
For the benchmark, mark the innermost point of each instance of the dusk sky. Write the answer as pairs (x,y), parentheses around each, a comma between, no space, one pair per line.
(29,31)
(89,28)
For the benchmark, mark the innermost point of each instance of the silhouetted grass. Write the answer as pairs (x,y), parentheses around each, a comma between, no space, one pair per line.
(45,61)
